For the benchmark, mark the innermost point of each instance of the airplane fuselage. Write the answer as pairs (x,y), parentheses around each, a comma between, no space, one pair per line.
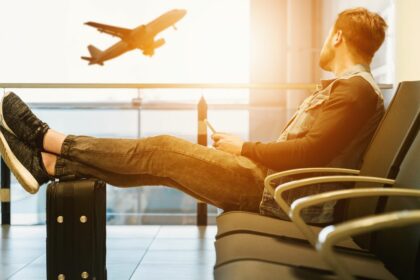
(114,51)
(141,37)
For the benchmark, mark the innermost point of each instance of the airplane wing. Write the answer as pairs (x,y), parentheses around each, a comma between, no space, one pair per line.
(111,30)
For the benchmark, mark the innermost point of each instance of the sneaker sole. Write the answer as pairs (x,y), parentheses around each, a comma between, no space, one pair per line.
(2,120)
(24,177)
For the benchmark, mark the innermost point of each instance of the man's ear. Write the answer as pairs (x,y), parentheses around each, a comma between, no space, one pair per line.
(337,38)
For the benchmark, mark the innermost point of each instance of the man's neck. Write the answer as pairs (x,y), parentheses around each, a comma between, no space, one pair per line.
(342,65)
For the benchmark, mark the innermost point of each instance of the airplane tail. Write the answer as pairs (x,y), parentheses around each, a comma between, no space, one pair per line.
(94,54)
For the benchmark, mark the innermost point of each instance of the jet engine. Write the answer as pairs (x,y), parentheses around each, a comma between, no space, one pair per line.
(150,51)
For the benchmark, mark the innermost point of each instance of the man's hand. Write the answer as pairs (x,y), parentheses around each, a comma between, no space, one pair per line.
(227,143)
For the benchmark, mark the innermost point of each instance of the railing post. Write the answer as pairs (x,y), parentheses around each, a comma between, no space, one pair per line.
(136,102)
(202,140)
(5,193)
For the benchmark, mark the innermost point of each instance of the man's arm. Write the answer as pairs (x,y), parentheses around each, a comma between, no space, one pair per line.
(349,107)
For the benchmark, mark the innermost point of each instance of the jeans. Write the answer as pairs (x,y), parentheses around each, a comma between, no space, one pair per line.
(224,180)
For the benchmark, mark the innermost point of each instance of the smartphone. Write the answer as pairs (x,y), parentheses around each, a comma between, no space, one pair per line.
(210,126)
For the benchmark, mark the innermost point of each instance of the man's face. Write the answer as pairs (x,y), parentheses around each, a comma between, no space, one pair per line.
(327,52)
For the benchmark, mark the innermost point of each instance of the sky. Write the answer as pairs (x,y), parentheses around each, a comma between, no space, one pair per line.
(42,41)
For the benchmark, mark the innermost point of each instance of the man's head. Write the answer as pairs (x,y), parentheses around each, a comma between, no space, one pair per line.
(356,35)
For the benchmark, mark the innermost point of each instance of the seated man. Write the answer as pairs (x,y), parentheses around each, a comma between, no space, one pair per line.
(332,127)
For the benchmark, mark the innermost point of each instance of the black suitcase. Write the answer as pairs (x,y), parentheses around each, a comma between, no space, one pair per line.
(76,230)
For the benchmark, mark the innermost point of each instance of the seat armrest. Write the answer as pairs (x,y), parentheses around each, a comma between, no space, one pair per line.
(280,189)
(270,178)
(331,235)
(304,202)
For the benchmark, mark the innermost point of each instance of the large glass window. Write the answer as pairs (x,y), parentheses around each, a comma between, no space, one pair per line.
(42,42)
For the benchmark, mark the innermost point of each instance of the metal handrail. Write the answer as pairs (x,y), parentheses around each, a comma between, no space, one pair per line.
(146,106)
(171,85)
(137,103)
(158,86)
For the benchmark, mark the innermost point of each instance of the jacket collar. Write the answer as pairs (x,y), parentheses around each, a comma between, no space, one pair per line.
(355,69)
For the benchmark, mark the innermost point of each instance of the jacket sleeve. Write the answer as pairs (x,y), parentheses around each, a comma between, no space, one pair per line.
(352,102)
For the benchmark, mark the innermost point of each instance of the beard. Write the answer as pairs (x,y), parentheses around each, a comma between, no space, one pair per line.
(326,57)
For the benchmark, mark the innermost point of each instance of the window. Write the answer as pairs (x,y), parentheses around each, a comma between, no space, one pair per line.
(43,42)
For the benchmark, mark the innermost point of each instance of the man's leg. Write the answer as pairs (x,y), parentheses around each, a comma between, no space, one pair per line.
(227,181)
(120,180)
(224,180)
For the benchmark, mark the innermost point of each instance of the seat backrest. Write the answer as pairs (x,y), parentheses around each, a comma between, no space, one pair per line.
(392,130)
(399,249)
(387,143)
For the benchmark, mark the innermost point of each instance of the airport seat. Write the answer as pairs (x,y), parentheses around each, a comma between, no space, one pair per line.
(398,249)
(393,129)
(281,252)
(250,269)
(397,244)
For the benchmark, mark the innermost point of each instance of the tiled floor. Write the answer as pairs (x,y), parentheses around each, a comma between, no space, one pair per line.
(134,252)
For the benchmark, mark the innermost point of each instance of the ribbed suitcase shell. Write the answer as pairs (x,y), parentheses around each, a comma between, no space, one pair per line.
(76,230)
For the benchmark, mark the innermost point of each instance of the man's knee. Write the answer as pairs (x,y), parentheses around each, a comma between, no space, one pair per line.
(163,140)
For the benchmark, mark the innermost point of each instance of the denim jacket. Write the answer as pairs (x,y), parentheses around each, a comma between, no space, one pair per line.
(350,157)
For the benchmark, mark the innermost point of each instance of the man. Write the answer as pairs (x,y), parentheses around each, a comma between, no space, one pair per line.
(332,127)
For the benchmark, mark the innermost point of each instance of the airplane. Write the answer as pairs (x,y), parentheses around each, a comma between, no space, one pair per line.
(141,37)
